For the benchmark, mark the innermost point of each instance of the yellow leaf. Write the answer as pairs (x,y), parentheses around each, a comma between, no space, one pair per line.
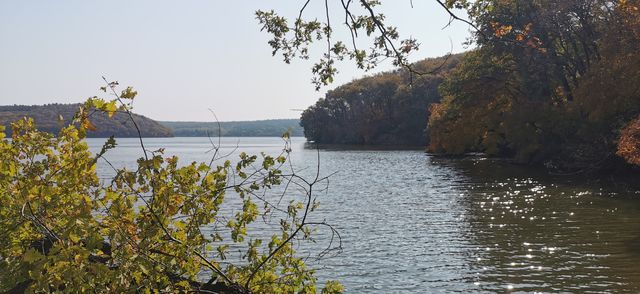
(111,108)
(74,238)
(143,269)
(87,124)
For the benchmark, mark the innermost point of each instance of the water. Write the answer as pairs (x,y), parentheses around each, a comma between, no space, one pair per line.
(412,222)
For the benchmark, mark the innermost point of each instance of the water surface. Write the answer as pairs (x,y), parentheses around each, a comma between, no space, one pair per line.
(413,222)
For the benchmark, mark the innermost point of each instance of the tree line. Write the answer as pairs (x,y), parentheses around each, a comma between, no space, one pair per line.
(550,82)
(258,128)
(383,109)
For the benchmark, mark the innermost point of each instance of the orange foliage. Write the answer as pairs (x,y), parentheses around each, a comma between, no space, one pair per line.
(629,143)
(631,12)
(501,30)
(436,111)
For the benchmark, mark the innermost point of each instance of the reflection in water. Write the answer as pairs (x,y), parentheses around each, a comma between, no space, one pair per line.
(539,233)
(412,222)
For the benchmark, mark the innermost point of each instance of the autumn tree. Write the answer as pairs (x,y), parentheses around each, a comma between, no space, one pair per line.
(163,226)
(550,82)
(383,109)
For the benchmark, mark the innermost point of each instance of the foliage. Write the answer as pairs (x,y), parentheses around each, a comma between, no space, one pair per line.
(384,109)
(551,81)
(52,118)
(293,37)
(258,128)
(629,144)
(165,226)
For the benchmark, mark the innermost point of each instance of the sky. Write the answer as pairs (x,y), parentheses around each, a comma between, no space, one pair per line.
(184,57)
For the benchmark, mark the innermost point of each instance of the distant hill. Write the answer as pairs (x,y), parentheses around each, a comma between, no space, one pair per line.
(47,116)
(258,128)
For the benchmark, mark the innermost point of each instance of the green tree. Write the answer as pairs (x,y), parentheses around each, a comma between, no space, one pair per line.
(145,230)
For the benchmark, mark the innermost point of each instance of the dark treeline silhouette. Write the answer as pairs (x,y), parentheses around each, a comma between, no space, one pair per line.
(47,118)
(384,109)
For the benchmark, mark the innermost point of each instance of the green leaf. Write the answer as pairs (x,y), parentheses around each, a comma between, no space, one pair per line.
(31,256)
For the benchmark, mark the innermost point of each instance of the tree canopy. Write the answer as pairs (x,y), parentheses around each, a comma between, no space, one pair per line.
(384,109)
(549,81)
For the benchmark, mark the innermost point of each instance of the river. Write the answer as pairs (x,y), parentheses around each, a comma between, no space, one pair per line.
(411,222)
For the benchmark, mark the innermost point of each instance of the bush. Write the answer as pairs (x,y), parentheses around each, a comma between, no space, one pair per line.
(65,230)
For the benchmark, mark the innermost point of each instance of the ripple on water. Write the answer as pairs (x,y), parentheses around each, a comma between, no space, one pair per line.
(411,222)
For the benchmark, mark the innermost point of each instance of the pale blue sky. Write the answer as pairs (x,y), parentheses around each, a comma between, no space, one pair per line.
(182,56)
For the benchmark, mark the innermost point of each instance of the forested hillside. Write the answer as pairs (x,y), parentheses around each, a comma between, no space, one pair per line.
(551,82)
(47,118)
(258,128)
(385,109)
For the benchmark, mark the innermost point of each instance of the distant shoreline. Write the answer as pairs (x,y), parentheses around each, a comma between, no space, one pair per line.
(256,128)
(52,117)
